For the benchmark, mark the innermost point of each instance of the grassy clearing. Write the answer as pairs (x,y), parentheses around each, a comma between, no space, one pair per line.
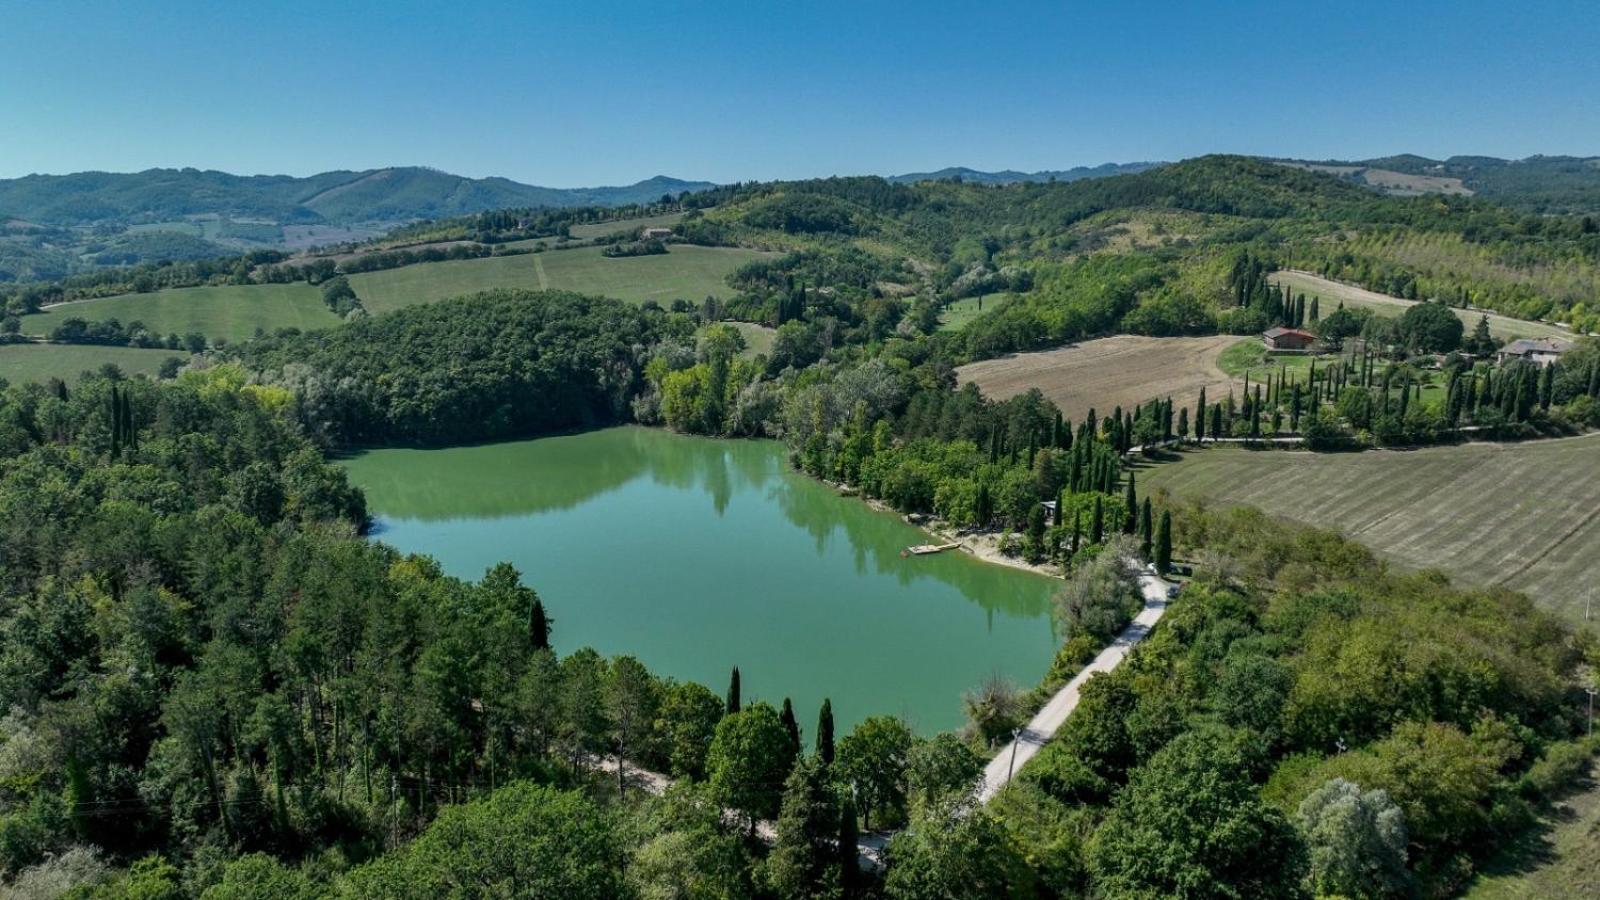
(224,311)
(38,362)
(1109,372)
(1521,515)
(1559,858)
(1249,359)
(757,338)
(688,272)
(601,229)
(185,227)
(1332,292)
(959,314)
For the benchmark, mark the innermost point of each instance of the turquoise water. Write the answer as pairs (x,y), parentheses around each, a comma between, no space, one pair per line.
(696,555)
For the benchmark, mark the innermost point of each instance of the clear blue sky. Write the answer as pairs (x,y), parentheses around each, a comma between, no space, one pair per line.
(611,91)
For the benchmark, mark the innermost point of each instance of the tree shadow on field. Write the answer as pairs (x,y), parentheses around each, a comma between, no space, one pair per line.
(1534,847)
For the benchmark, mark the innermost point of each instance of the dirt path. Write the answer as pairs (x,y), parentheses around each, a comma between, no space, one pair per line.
(1031,739)
(1503,327)
(1108,372)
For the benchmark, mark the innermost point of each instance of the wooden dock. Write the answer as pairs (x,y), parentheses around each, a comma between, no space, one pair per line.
(924,549)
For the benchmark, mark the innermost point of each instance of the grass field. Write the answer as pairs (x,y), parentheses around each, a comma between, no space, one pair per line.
(690,272)
(1521,515)
(38,362)
(225,311)
(957,315)
(1108,372)
(1559,858)
(601,229)
(757,338)
(1332,292)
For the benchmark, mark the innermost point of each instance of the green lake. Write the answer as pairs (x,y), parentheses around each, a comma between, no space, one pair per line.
(696,555)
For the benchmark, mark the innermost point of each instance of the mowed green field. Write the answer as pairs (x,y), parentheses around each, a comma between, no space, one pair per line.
(688,272)
(231,311)
(1521,515)
(958,314)
(1332,293)
(601,229)
(757,338)
(39,362)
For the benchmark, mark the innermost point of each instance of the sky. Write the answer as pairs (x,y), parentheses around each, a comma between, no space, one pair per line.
(587,93)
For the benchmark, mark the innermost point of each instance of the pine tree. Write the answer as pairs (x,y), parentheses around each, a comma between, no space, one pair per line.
(733,692)
(825,732)
(1164,543)
(805,856)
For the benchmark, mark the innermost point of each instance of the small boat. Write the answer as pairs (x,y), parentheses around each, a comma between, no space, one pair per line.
(922,549)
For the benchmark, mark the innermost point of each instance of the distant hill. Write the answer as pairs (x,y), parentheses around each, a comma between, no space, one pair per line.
(376,195)
(1538,184)
(1011,176)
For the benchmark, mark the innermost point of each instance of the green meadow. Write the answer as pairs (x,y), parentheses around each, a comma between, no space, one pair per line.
(960,313)
(601,229)
(38,362)
(232,311)
(688,272)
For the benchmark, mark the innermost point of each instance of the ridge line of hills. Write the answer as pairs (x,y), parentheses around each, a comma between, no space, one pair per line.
(1543,184)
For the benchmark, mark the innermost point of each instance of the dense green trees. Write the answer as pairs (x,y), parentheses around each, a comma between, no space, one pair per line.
(1189,824)
(521,840)
(519,363)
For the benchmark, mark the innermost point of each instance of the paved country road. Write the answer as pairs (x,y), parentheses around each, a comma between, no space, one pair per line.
(1007,762)
(1050,718)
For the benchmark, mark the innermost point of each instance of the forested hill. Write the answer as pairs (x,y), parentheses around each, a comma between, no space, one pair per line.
(1555,185)
(375,195)
(1011,176)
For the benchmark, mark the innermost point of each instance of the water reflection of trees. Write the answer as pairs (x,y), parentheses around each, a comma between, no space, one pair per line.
(498,480)
(878,538)
(551,474)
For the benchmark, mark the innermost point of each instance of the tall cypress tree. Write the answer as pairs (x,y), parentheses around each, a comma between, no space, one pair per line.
(1200,415)
(1131,501)
(538,625)
(825,732)
(849,839)
(1145,529)
(1097,532)
(733,691)
(1164,543)
(790,727)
